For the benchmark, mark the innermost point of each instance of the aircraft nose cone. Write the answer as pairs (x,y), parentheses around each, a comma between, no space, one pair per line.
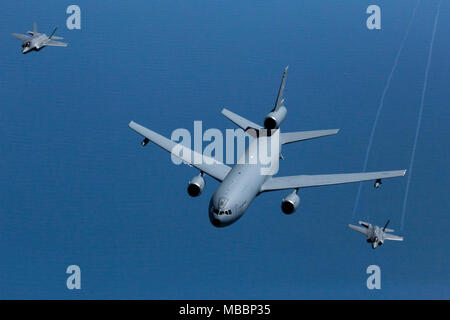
(215,222)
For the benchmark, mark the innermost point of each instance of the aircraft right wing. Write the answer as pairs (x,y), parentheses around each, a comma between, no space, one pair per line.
(388,236)
(22,37)
(303,181)
(53,43)
(359,229)
(208,165)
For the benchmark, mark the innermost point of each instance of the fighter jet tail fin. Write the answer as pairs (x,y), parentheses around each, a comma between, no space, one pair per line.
(34,30)
(53,33)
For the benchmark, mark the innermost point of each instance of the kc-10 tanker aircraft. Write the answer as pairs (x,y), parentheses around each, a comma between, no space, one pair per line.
(240,184)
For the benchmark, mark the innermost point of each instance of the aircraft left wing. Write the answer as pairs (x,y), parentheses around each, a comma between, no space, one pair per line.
(22,37)
(388,236)
(303,181)
(208,165)
(53,43)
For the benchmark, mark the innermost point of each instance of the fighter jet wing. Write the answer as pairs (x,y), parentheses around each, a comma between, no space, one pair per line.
(208,165)
(388,236)
(22,37)
(359,229)
(53,43)
(303,181)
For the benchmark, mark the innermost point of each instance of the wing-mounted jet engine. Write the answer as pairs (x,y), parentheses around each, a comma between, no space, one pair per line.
(196,185)
(290,203)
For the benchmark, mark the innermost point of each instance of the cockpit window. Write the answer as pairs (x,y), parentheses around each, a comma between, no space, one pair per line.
(221,212)
(222,202)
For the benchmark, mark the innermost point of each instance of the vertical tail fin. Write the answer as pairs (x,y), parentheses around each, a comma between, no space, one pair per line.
(34,28)
(280,99)
(275,117)
(53,33)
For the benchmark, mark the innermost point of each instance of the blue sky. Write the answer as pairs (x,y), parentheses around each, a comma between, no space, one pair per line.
(77,188)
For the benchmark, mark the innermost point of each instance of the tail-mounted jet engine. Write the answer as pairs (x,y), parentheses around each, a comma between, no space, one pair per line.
(275,118)
(196,185)
(290,203)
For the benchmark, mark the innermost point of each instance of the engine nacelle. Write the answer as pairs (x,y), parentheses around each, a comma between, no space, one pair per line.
(290,203)
(274,119)
(196,186)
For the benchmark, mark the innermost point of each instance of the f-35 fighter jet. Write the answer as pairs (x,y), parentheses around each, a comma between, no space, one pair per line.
(375,234)
(36,41)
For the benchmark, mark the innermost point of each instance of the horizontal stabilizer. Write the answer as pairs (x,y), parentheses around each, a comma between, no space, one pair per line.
(240,121)
(289,137)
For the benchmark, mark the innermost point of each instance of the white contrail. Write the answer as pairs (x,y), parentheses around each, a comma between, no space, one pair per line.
(380,106)
(419,120)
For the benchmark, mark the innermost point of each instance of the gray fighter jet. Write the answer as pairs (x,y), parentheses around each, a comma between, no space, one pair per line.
(240,184)
(36,41)
(375,234)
